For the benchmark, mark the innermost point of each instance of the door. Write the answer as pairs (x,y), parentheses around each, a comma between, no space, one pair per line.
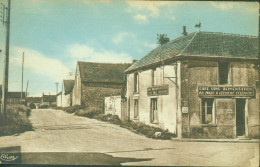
(240,116)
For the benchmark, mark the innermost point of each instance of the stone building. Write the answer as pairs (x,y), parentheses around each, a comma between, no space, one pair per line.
(95,81)
(201,85)
(64,98)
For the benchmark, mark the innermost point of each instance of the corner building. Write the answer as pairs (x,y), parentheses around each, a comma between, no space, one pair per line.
(201,85)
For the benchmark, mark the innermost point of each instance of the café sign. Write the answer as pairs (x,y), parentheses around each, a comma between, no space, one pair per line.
(158,90)
(226,91)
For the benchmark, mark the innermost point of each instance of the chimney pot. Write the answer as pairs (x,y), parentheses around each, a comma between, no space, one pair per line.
(184,31)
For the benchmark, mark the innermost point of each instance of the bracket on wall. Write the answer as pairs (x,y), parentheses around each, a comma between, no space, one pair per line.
(170,78)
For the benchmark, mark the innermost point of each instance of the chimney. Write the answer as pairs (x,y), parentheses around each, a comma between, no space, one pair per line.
(134,61)
(184,31)
(42,94)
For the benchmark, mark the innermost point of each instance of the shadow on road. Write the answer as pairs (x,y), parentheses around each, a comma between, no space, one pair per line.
(146,149)
(62,158)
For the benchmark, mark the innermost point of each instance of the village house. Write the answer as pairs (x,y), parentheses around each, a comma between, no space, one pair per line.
(48,99)
(201,85)
(95,81)
(64,98)
(14,98)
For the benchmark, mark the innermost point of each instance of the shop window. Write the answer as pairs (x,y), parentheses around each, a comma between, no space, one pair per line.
(153,77)
(154,110)
(136,111)
(136,82)
(208,112)
(223,68)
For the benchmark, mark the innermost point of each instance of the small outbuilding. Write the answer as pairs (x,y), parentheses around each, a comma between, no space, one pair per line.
(64,98)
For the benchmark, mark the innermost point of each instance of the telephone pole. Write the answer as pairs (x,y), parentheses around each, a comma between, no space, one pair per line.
(22,77)
(57,86)
(6,62)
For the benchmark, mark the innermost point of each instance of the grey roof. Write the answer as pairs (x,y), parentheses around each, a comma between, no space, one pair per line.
(68,86)
(102,72)
(207,44)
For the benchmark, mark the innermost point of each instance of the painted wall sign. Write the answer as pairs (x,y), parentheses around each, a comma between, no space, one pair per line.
(158,90)
(230,91)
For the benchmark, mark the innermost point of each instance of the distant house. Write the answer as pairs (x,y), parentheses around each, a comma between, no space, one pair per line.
(64,98)
(13,98)
(95,81)
(50,99)
(33,99)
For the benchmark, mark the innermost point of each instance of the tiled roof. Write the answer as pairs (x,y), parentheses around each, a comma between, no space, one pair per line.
(202,44)
(68,86)
(102,72)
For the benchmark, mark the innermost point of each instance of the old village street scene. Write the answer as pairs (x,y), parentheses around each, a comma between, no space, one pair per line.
(131,83)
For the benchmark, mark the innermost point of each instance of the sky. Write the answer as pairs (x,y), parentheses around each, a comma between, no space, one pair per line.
(55,34)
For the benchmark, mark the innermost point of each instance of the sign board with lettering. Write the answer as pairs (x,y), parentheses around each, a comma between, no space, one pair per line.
(158,90)
(185,110)
(226,91)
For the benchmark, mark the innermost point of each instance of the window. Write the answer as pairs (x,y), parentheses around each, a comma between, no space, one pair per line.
(153,77)
(208,111)
(223,70)
(136,112)
(136,82)
(154,111)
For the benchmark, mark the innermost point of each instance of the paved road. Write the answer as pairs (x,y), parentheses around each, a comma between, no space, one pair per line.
(62,138)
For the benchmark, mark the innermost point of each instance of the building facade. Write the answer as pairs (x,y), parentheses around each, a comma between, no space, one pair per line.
(95,81)
(64,98)
(201,85)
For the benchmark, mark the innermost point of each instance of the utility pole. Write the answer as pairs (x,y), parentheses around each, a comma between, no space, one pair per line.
(22,77)
(6,62)
(57,86)
(26,94)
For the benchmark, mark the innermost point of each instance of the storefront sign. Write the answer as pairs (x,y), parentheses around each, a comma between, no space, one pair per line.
(231,91)
(158,90)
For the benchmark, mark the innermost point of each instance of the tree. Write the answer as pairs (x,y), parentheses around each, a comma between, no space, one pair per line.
(162,39)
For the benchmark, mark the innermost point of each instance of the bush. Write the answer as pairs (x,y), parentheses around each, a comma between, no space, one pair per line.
(43,105)
(16,120)
(32,106)
(72,109)
(89,112)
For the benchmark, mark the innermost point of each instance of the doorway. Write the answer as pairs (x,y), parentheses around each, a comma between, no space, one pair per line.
(240,116)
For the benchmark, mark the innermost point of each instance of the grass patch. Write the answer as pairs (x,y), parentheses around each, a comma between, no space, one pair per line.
(139,128)
(16,120)
(70,109)
(89,112)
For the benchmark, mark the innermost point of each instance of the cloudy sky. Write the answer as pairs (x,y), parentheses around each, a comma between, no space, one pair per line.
(55,34)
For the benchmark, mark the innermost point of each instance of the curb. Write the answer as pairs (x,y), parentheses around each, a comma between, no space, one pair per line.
(218,140)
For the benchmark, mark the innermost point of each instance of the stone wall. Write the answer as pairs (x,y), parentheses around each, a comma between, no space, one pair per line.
(93,94)
(198,73)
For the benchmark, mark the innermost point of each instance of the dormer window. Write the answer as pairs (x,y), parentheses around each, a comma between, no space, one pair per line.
(136,82)
(223,72)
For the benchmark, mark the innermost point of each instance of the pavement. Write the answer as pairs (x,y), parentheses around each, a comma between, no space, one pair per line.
(62,138)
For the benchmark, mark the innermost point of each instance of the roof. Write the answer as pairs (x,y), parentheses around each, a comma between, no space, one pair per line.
(34,99)
(49,98)
(102,72)
(206,44)
(68,86)
(12,94)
